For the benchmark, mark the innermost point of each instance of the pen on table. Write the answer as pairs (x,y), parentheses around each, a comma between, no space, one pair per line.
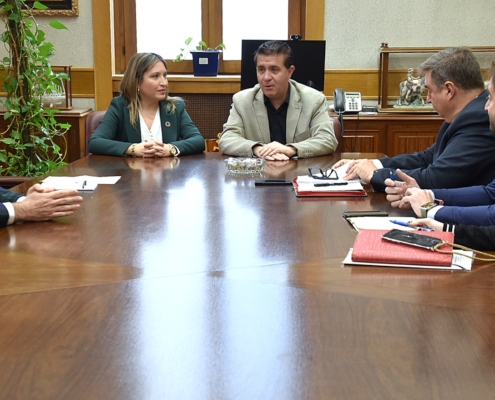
(402,223)
(330,184)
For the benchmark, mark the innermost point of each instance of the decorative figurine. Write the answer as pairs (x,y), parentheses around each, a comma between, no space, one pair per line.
(411,90)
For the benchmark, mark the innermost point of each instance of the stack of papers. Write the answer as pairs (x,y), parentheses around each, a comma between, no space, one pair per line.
(83,183)
(460,261)
(307,186)
(359,223)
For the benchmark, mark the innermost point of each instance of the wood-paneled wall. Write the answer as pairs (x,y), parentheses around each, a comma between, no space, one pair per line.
(364,81)
(83,83)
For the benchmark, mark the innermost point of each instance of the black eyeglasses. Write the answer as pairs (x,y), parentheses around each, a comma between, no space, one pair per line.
(317,173)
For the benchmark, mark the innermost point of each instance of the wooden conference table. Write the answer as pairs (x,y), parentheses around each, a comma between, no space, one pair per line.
(181,282)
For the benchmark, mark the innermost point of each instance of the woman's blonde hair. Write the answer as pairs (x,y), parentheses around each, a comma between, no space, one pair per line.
(138,65)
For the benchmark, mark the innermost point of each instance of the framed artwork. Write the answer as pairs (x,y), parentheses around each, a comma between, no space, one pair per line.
(57,7)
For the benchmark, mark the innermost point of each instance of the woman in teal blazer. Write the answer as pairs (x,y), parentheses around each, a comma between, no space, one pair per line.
(144,121)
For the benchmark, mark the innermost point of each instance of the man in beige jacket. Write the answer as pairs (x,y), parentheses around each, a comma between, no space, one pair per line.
(279,118)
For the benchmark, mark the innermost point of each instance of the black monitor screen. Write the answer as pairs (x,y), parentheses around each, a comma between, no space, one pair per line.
(309,62)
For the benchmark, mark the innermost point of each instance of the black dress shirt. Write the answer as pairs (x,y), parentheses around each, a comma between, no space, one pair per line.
(277,120)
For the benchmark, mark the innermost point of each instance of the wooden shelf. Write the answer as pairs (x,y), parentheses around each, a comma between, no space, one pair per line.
(221,84)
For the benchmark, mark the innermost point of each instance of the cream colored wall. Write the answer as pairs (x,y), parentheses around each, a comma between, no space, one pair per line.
(354,30)
(73,47)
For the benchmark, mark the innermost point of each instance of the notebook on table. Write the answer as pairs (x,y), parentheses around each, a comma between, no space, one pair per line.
(307,189)
(370,249)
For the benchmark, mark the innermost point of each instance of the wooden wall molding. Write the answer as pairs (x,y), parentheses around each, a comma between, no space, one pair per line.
(82,83)
(102,52)
(364,81)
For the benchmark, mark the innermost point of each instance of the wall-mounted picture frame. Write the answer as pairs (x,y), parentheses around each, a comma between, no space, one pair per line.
(58,7)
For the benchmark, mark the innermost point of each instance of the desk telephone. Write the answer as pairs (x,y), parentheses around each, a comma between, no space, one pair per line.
(347,102)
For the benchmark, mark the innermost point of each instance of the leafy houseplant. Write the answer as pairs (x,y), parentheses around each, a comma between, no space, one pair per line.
(28,145)
(205,59)
(201,46)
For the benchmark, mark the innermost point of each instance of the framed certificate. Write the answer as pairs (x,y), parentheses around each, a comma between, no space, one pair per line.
(57,7)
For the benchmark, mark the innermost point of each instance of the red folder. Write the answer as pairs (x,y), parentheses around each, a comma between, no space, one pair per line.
(340,193)
(371,248)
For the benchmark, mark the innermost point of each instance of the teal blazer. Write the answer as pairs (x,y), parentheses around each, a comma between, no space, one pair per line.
(115,133)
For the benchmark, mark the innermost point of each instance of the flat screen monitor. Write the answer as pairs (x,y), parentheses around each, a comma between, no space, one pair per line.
(309,62)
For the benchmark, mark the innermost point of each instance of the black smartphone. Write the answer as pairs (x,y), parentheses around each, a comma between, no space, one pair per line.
(412,239)
(349,214)
(272,182)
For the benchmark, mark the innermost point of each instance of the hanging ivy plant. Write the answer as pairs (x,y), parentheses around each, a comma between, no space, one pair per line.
(27,146)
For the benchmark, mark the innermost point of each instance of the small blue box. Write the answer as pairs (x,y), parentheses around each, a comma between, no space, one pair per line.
(206,62)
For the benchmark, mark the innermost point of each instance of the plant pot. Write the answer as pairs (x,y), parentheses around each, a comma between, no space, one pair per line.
(206,62)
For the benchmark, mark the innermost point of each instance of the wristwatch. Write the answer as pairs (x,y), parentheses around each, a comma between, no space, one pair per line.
(173,150)
(428,206)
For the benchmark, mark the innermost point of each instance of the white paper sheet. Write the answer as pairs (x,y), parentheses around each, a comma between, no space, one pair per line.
(382,223)
(307,184)
(82,183)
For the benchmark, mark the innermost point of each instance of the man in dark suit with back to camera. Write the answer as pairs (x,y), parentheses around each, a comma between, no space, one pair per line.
(462,155)
(472,205)
(279,118)
(468,211)
(40,204)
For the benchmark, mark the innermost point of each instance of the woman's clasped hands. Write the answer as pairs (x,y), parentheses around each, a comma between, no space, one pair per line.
(150,148)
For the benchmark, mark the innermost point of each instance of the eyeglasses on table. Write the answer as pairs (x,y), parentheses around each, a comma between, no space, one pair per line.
(317,173)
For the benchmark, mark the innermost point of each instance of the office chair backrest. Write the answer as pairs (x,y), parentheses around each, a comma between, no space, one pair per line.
(8,182)
(337,129)
(92,122)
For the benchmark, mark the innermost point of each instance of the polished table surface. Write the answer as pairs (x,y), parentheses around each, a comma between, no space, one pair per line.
(183,282)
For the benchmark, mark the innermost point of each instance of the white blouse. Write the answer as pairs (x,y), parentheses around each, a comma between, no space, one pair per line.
(155,133)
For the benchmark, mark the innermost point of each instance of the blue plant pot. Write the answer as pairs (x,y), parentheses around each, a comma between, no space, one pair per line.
(206,62)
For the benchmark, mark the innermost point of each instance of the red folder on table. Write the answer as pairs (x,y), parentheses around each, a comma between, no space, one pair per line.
(336,192)
(369,247)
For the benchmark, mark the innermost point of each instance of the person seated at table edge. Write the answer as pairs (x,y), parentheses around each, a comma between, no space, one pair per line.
(474,205)
(278,118)
(39,204)
(462,154)
(144,121)
(474,237)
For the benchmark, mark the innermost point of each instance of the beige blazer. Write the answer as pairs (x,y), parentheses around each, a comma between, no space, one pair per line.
(309,128)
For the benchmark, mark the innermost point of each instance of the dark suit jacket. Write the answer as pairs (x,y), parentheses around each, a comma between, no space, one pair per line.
(6,196)
(115,133)
(475,237)
(461,156)
(473,205)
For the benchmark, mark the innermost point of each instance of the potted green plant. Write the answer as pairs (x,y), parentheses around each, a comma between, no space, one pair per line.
(206,60)
(28,146)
